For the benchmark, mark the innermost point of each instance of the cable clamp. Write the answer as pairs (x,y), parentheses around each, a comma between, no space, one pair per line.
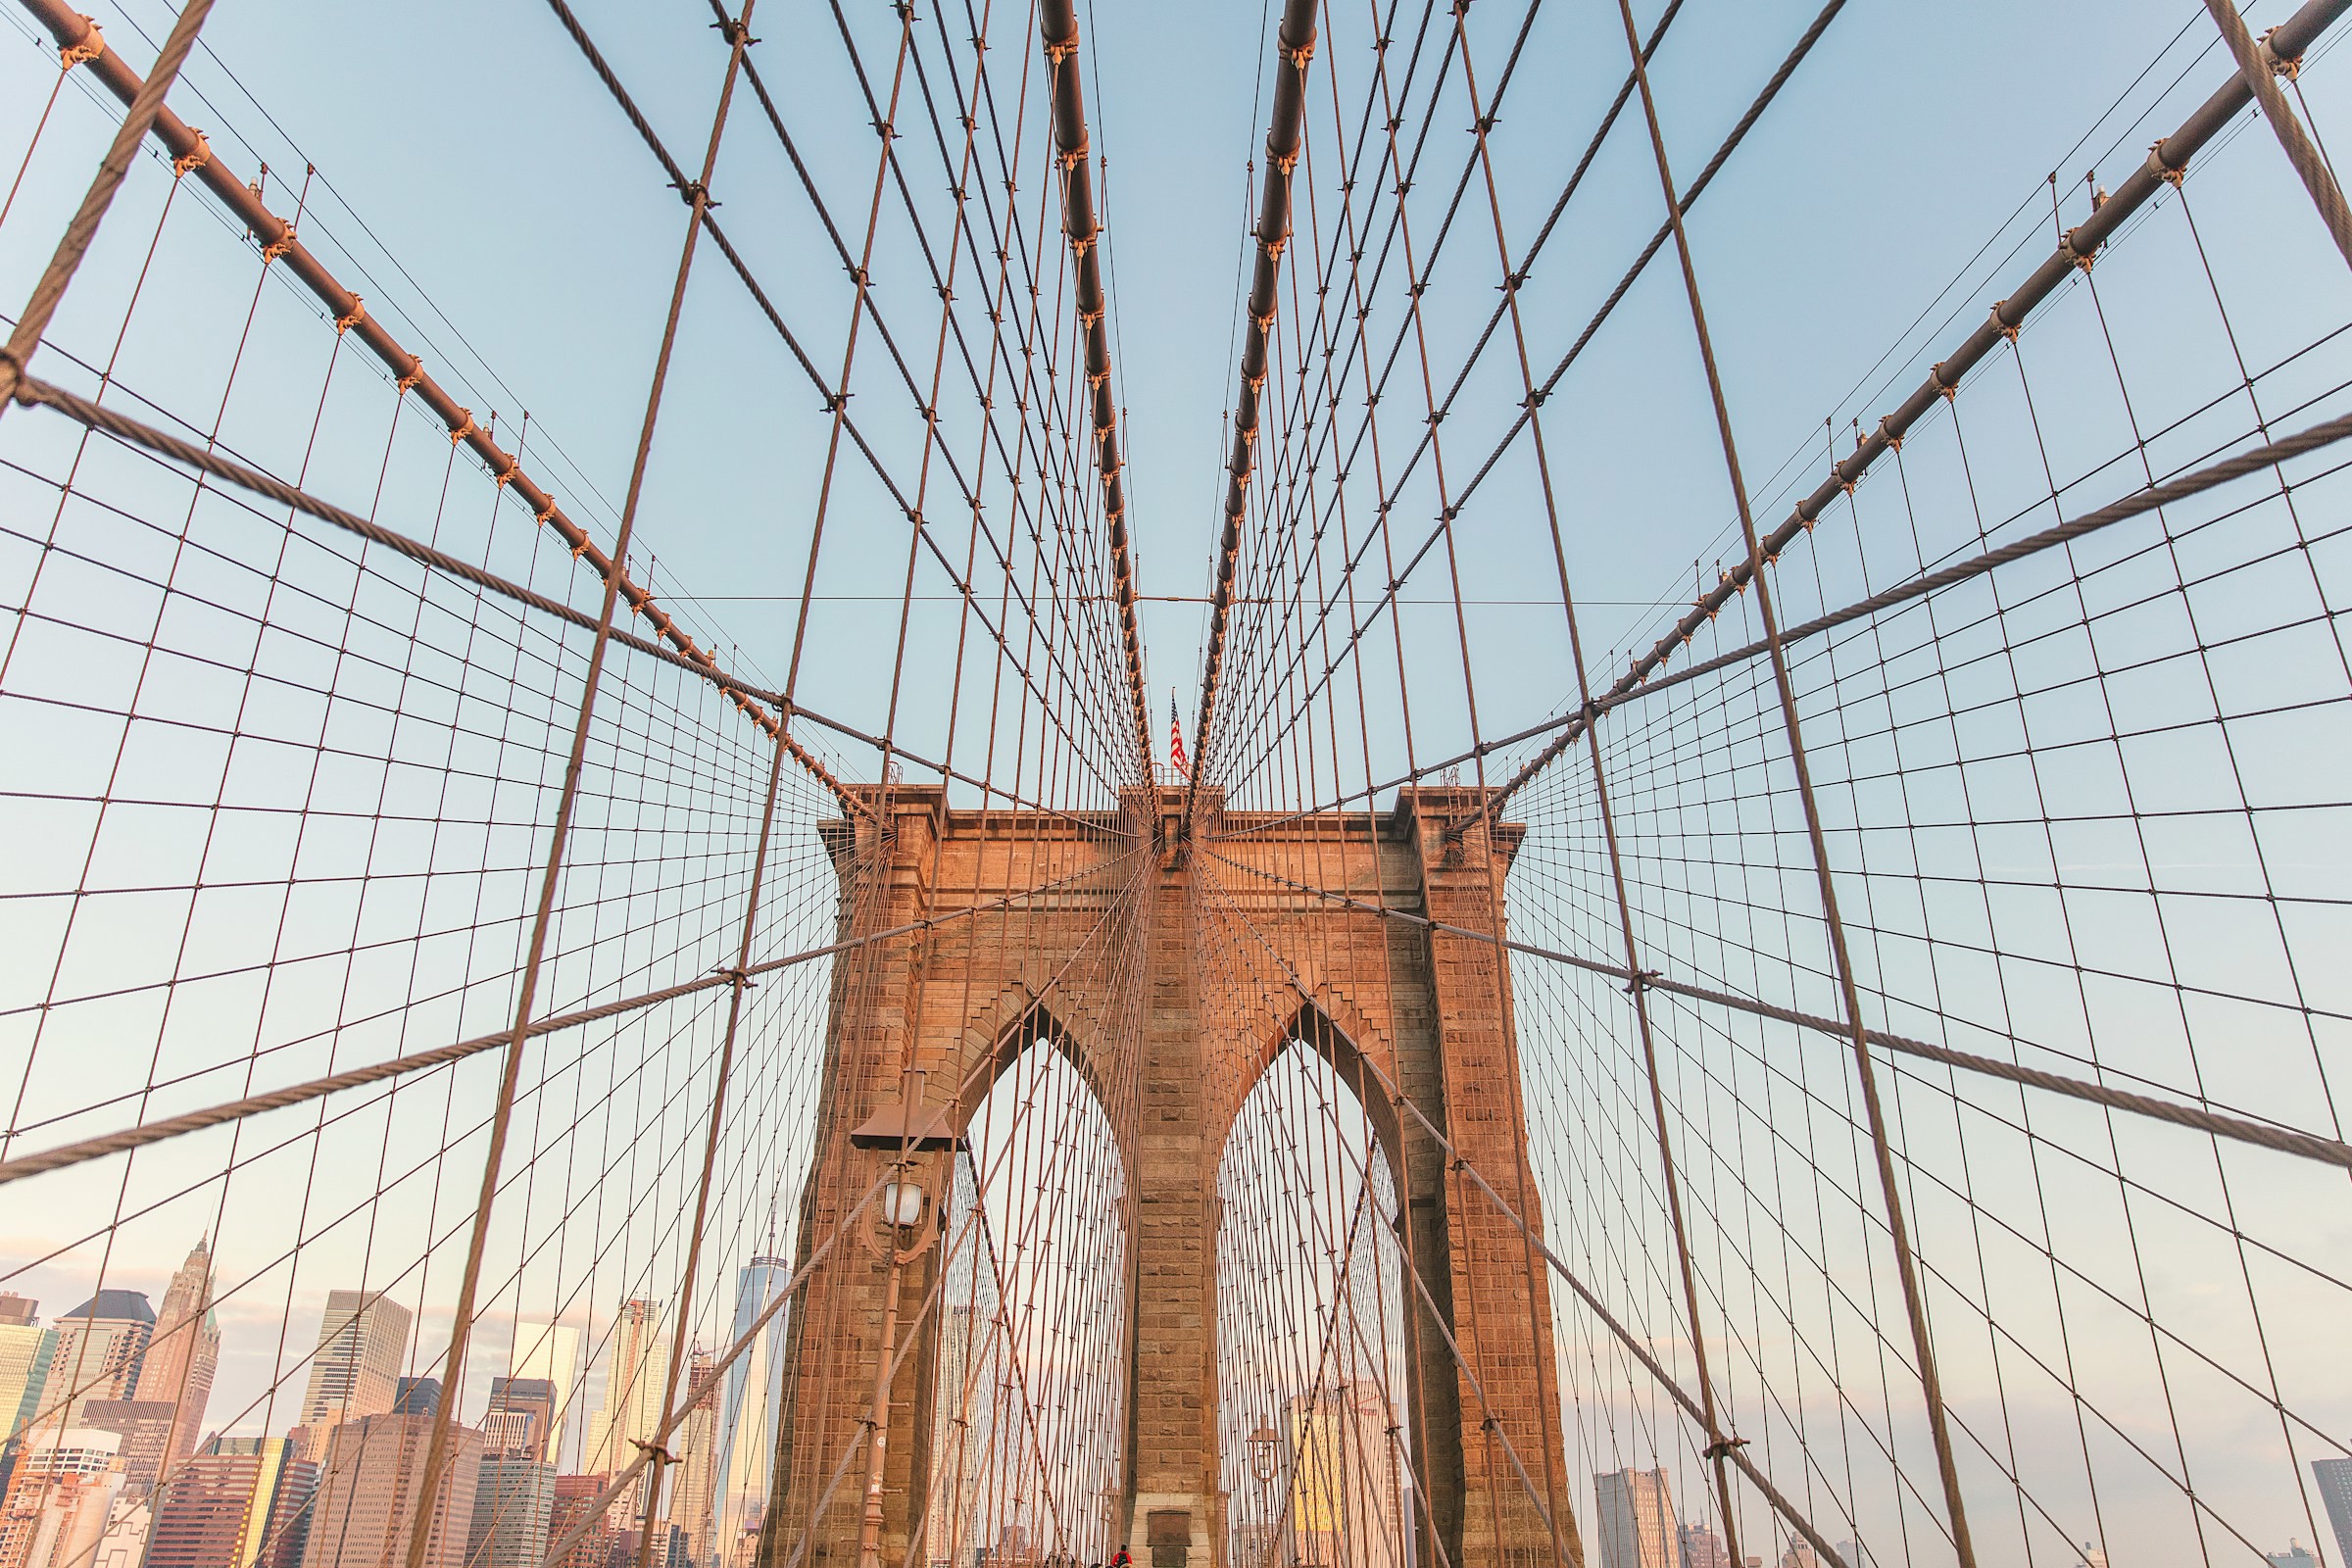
(693,190)
(580,549)
(1722,1448)
(1642,980)
(1058,50)
(732,30)
(194,158)
(546,513)
(2282,66)
(89,46)
(353,316)
(510,474)
(2001,323)
(462,428)
(278,246)
(1299,56)
(654,1451)
(2083,260)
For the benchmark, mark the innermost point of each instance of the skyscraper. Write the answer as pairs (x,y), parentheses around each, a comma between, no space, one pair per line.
(1345,1503)
(234,1506)
(1702,1548)
(955,1482)
(185,1353)
(753,1398)
(100,1347)
(1633,1516)
(521,1416)
(145,1428)
(550,1353)
(369,1488)
(634,1383)
(416,1397)
(356,1369)
(693,1480)
(60,1499)
(599,1547)
(512,1505)
(25,1351)
(2334,1477)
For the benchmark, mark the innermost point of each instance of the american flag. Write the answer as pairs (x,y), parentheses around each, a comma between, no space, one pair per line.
(1184,769)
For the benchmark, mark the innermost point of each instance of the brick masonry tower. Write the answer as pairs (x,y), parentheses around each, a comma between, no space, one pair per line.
(1389,1002)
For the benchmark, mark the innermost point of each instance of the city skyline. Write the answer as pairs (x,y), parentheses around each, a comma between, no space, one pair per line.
(90,1480)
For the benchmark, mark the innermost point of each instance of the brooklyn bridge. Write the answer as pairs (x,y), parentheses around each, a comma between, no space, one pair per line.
(900,785)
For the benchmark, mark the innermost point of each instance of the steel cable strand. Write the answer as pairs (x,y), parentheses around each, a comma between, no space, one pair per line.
(1599,1309)
(2167,161)
(1690,198)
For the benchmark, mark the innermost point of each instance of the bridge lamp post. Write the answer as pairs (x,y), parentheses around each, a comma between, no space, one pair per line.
(902,1130)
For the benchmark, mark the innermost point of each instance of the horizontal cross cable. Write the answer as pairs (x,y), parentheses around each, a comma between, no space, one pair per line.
(2280,1140)
(2076,248)
(280,242)
(156,1132)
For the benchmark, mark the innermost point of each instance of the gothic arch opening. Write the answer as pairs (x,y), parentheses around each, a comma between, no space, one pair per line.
(1028,1400)
(1314,1434)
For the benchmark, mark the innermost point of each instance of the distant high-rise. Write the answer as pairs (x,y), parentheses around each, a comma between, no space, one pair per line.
(550,1351)
(2334,1477)
(185,1353)
(128,1524)
(1633,1516)
(753,1400)
(61,1497)
(145,1428)
(521,1419)
(632,1412)
(369,1488)
(100,1347)
(237,1504)
(25,1351)
(2294,1556)
(416,1397)
(955,1484)
(512,1505)
(694,1479)
(1346,1496)
(1701,1547)
(601,1544)
(356,1370)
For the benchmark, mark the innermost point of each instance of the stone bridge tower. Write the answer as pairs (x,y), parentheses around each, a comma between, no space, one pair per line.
(1389,1002)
